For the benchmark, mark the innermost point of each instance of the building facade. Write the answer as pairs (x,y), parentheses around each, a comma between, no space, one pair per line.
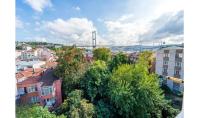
(170,63)
(44,89)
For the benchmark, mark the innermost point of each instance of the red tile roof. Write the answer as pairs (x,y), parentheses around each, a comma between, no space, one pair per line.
(29,81)
(29,72)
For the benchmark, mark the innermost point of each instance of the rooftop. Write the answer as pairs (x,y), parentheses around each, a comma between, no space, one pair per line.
(29,73)
(48,77)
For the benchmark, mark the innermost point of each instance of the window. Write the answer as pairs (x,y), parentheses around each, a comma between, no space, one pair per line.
(164,70)
(166,54)
(50,102)
(165,63)
(31,89)
(177,72)
(47,90)
(180,55)
(178,64)
(34,99)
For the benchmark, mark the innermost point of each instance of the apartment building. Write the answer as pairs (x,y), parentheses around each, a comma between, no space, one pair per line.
(28,55)
(170,65)
(22,65)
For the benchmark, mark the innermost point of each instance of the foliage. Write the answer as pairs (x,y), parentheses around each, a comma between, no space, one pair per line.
(117,60)
(104,110)
(35,111)
(103,54)
(146,57)
(135,92)
(76,107)
(95,80)
(120,89)
(71,67)
(19,48)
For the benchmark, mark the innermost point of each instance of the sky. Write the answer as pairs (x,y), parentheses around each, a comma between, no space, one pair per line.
(117,22)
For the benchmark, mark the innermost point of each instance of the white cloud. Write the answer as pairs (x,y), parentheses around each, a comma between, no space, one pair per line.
(169,6)
(126,17)
(77,8)
(39,5)
(19,23)
(129,31)
(73,31)
(125,33)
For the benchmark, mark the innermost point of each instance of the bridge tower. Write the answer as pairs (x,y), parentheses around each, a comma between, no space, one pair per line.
(94,39)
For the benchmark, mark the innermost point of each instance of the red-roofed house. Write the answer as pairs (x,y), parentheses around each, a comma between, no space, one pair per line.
(43,88)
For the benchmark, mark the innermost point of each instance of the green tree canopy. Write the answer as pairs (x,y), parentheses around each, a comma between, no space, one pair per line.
(95,80)
(34,111)
(76,107)
(136,93)
(71,67)
(103,54)
(118,59)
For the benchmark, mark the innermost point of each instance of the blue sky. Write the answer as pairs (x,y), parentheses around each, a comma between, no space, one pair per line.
(117,22)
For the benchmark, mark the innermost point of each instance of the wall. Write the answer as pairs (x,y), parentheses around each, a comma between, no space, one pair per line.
(58,93)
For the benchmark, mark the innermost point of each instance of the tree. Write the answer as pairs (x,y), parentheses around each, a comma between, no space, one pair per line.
(104,110)
(103,54)
(117,60)
(147,58)
(136,93)
(76,107)
(95,80)
(71,68)
(35,111)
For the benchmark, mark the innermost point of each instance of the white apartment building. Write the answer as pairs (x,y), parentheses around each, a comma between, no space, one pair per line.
(29,55)
(170,63)
(21,65)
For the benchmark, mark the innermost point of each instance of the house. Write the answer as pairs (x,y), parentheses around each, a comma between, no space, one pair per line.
(45,54)
(29,72)
(43,88)
(26,47)
(170,65)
